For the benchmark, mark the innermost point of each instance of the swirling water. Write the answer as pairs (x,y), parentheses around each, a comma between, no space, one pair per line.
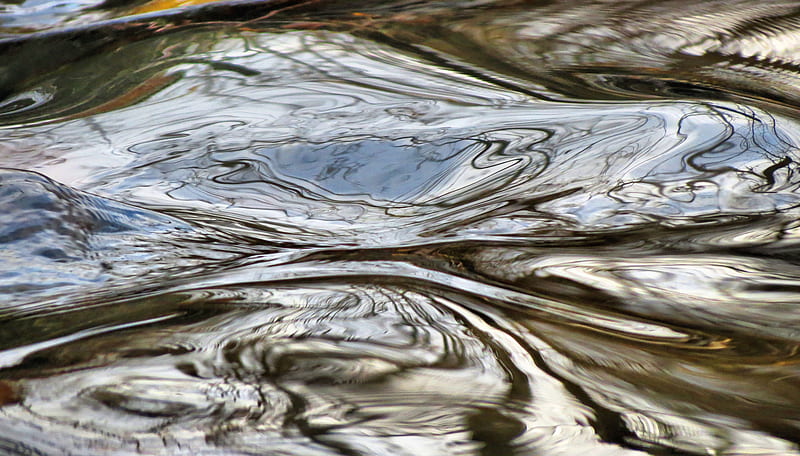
(390,228)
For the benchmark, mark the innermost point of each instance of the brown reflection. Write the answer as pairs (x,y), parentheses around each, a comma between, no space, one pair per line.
(684,397)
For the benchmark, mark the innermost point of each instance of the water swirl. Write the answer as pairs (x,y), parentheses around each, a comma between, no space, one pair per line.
(471,227)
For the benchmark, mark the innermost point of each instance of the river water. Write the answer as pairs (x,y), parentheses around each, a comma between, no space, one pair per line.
(399,228)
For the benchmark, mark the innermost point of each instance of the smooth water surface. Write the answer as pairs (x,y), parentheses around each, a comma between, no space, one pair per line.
(399,228)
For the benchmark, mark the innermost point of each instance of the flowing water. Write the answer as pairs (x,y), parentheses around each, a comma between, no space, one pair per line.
(469,227)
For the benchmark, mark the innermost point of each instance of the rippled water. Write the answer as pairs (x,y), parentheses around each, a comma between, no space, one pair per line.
(399,228)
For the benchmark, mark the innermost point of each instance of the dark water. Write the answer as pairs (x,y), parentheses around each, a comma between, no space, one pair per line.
(399,228)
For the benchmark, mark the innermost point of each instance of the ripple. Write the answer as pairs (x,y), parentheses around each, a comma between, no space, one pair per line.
(399,228)
(58,240)
(752,295)
(303,144)
(600,51)
(336,366)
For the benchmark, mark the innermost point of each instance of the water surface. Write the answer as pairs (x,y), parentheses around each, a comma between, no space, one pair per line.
(399,228)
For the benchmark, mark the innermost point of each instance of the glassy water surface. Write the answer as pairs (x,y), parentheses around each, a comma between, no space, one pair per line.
(399,228)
